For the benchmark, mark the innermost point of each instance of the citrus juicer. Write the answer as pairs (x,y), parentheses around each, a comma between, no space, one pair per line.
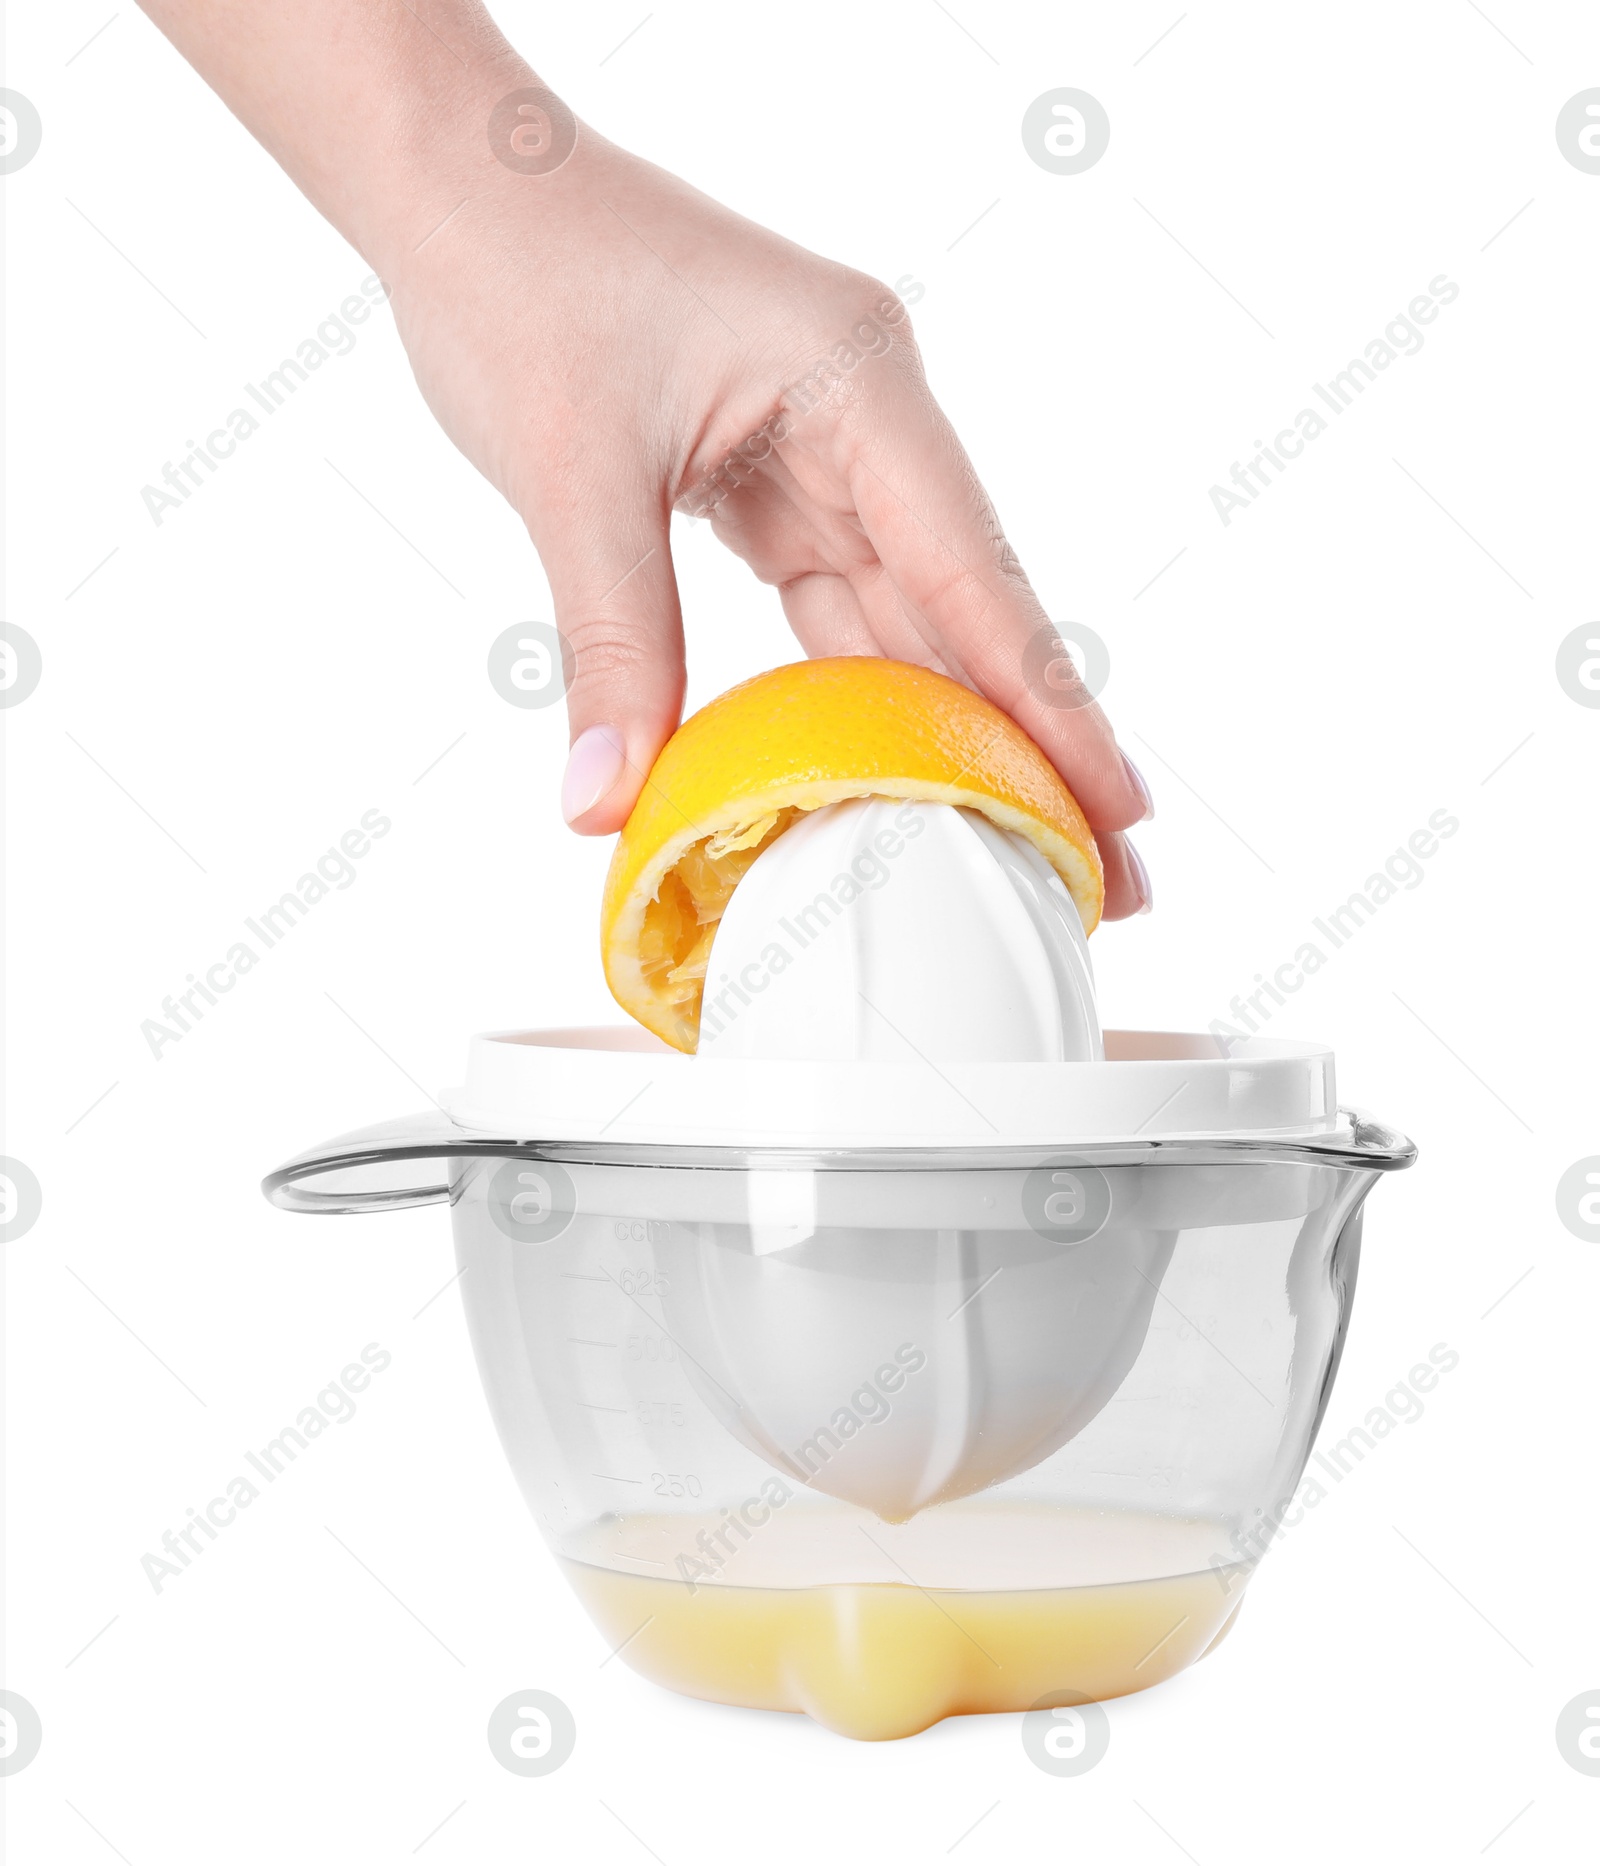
(914,1348)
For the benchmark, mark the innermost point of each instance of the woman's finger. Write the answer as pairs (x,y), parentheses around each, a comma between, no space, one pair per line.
(1128,888)
(940,541)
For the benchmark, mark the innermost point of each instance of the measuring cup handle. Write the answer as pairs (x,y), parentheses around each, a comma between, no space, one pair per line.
(384,1168)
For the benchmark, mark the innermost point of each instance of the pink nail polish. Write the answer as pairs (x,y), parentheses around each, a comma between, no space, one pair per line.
(1141,877)
(1139,785)
(593,766)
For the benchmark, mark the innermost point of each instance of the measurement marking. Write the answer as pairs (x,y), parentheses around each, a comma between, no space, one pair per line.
(1202,1334)
(595,1406)
(627,1642)
(582,1341)
(654,1323)
(605,1478)
(1161,1642)
(582,1276)
(649,1560)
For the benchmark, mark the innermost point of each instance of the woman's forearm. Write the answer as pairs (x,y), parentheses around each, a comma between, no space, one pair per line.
(375,111)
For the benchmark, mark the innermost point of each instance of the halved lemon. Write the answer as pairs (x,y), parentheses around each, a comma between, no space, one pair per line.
(735,775)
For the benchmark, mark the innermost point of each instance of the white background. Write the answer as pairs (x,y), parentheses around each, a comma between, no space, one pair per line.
(1341,661)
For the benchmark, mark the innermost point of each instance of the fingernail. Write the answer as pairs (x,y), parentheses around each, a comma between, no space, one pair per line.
(1140,786)
(593,766)
(1141,877)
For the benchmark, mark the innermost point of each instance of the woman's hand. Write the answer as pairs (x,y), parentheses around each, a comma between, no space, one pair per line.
(607,345)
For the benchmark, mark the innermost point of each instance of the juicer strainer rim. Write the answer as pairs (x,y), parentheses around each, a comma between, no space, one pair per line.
(1366,1145)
